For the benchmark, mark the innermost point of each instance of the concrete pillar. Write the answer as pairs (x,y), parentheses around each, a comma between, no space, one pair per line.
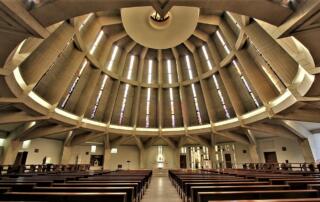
(306,151)
(142,159)
(66,155)
(176,163)
(253,153)
(212,156)
(107,159)
(10,151)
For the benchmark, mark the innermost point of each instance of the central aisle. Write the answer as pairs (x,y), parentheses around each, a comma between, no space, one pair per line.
(161,190)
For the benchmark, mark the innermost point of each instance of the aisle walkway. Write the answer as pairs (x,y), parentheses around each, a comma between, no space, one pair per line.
(161,190)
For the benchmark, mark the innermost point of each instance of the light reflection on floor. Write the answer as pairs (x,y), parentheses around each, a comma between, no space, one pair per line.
(161,190)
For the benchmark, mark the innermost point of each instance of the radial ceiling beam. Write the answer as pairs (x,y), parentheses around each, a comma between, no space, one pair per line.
(234,137)
(296,128)
(276,130)
(120,140)
(16,11)
(301,115)
(82,138)
(68,140)
(169,142)
(150,142)
(18,117)
(200,140)
(210,20)
(46,131)
(139,142)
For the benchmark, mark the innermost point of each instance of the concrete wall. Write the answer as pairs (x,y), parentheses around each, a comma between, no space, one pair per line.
(124,154)
(293,153)
(314,142)
(151,157)
(49,148)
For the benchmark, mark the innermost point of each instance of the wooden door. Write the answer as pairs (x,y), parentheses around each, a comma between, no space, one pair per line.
(227,157)
(183,161)
(270,157)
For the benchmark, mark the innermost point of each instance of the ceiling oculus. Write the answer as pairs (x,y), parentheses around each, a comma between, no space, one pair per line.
(143,25)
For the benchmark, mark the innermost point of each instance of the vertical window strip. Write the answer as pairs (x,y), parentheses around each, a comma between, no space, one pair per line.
(189,67)
(96,42)
(169,69)
(173,122)
(223,42)
(113,57)
(206,56)
(74,83)
(132,58)
(216,83)
(150,62)
(148,108)
(235,63)
(196,104)
(123,105)
(86,20)
(102,86)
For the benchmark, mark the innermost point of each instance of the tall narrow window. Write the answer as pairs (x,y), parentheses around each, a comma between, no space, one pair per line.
(86,20)
(102,86)
(132,58)
(206,56)
(150,63)
(223,42)
(169,69)
(96,42)
(74,83)
(235,63)
(123,105)
(113,57)
(148,108)
(189,67)
(196,104)
(173,121)
(216,83)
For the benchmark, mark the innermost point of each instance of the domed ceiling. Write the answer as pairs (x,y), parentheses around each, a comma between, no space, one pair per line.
(159,73)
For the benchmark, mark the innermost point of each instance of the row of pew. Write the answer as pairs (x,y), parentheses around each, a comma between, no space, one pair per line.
(245,185)
(117,186)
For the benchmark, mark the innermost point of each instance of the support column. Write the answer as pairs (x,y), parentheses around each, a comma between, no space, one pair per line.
(176,158)
(306,151)
(141,159)
(212,156)
(10,151)
(66,155)
(107,153)
(13,144)
(107,159)
(253,153)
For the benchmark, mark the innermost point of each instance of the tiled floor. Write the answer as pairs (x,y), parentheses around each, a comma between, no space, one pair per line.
(161,190)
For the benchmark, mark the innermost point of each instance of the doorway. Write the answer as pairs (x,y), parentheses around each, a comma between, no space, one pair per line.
(270,157)
(227,157)
(183,161)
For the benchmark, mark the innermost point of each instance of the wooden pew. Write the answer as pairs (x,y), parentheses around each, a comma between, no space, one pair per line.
(128,190)
(187,186)
(64,196)
(111,184)
(276,200)
(196,189)
(274,194)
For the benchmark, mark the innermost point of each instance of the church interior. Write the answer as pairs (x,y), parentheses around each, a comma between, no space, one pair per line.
(159,100)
